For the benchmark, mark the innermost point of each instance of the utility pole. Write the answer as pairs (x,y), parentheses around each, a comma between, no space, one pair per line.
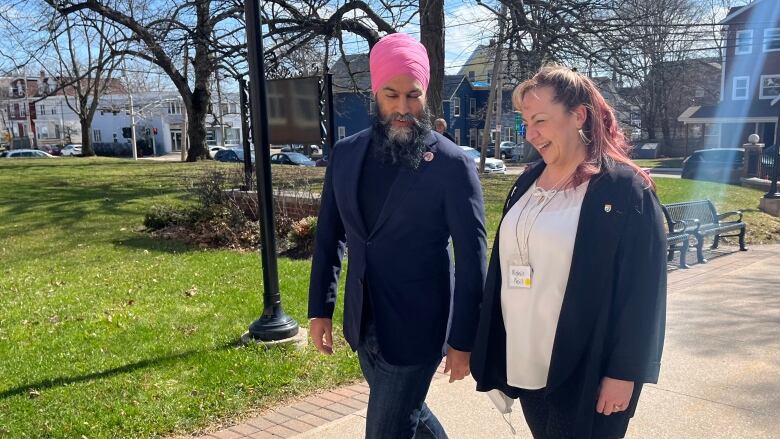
(62,121)
(499,99)
(184,136)
(132,117)
(27,111)
(219,102)
(493,91)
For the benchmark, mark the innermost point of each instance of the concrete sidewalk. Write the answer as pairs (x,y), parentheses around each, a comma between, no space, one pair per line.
(720,376)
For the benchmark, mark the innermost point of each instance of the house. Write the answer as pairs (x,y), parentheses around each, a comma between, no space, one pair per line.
(38,113)
(750,79)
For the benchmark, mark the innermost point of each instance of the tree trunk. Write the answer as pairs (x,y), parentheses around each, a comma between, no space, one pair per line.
(203,67)
(86,141)
(432,37)
(196,120)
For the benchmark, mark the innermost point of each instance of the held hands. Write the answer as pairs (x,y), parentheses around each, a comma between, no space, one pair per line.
(321,333)
(457,363)
(614,395)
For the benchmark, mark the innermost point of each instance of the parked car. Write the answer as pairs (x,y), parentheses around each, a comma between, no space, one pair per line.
(719,164)
(291,158)
(509,151)
(233,155)
(25,154)
(492,165)
(71,149)
(315,149)
(213,150)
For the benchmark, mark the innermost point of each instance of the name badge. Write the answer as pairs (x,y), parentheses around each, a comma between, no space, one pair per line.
(519,276)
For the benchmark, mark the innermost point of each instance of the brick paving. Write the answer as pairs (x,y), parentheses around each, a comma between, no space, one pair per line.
(304,415)
(323,408)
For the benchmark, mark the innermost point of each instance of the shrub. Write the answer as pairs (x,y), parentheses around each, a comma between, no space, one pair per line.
(301,236)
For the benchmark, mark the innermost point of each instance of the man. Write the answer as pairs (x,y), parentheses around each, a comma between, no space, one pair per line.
(396,193)
(440,125)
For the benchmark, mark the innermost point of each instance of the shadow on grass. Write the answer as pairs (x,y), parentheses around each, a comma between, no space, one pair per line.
(146,242)
(127,368)
(68,207)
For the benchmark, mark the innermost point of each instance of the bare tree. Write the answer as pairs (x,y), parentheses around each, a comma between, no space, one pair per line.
(85,63)
(649,54)
(161,33)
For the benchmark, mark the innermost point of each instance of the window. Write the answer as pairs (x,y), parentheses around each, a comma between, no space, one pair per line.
(233,108)
(770,86)
(473,137)
(771,40)
(472,75)
(342,132)
(457,136)
(223,109)
(16,111)
(56,131)
(211,137)
(744,42)
(52,87)
(97,136)
(43,132)
(174,107)
(455,107)
(472,107)
(53,110)
(740,92)
(233,136)
(42,109)
(489,77)
(508,134)
(711,129)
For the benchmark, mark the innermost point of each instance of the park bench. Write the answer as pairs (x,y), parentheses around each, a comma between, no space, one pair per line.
(699,219)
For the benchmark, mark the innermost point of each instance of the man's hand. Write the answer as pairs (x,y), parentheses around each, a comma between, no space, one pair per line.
(614,395)
(457,363)
(321,333)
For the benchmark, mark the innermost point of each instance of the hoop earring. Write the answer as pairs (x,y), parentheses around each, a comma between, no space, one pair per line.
(583,137)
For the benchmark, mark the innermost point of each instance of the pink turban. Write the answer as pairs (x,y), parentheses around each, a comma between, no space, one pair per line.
(398,54)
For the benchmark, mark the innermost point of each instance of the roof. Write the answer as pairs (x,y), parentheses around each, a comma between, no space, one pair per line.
(731,112)
(766,6)
(451,85)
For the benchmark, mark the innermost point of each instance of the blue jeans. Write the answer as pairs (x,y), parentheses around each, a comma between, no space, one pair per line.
(396,403)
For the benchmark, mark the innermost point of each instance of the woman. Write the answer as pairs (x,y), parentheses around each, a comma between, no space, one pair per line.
(572,320)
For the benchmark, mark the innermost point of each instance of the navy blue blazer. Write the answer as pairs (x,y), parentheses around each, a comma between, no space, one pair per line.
(405,258)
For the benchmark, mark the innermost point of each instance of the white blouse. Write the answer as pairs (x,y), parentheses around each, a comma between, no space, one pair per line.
(531,314)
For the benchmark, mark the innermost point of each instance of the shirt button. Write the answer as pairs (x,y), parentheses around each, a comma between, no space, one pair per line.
(368,243)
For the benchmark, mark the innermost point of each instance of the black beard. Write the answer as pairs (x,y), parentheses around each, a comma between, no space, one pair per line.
(404,150)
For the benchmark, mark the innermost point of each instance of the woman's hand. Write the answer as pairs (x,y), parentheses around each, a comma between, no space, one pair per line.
(614,395)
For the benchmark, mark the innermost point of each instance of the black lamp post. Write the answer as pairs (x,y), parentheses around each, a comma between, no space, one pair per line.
(274,324)
(773,193)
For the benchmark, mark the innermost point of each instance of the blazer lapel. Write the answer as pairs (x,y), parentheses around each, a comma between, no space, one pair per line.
(582,305)
(406,177)
(353,166)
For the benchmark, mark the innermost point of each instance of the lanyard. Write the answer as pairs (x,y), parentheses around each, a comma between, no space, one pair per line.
(529,221)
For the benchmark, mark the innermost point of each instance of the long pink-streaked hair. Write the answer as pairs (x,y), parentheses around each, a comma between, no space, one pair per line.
(605,141)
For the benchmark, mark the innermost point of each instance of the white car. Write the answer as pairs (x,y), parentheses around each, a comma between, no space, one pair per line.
(71,149)
(492,166)
(213,150)
(25,154)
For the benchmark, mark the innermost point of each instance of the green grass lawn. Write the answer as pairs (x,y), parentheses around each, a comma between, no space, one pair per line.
(675,162)
(105,332)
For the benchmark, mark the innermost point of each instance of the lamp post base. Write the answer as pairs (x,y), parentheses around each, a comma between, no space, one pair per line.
(273,325)
(299,341)
(770,205)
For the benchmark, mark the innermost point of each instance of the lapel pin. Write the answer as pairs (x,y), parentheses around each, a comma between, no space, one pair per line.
(428,156)
(608,208)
